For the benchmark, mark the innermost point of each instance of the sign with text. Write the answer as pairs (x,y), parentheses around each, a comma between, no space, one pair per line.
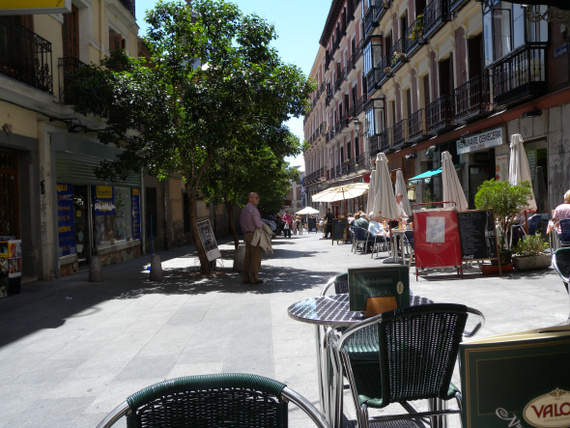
(29,7)
(381,281)
(65,219)
(484,140)
(517,380)
(208,240)
(478,236)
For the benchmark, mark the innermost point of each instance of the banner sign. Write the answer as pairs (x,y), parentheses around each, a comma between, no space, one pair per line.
(65,219)
(103,200)
(29,7)
(484,140)
(136,213)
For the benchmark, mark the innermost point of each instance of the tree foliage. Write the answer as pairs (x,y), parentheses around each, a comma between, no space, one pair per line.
(214,88)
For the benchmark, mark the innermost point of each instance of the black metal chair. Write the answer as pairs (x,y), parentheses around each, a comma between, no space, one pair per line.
(409,234)
(212,401)
(414,360)
(361,238)
(561,263)
(564,235)
(338,282)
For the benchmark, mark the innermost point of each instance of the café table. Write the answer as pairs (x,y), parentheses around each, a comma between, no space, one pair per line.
(328,313)
(397,246)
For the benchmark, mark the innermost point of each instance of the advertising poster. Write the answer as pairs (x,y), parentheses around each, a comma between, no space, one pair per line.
(208,240)
(65,219)
(15,258)
(104,205)
(136,214)
(501,167)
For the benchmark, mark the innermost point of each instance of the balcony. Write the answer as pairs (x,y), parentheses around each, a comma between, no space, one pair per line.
(472,99)
(25,56)
(519,76)
(439,115)
(417,126)
(456,5)
(385,138)
(66,67)
(130,5)
(435,14)
(374,144)
(400,130)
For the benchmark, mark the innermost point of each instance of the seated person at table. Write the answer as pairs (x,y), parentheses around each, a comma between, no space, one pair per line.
(361,220)
(376,228)
(560,212)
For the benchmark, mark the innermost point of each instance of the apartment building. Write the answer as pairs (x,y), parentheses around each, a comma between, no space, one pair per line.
(443,75)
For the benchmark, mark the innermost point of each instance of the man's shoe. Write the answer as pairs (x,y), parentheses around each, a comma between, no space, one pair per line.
(259,281)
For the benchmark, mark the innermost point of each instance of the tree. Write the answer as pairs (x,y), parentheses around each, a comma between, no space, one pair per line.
(505,200)
(212,82)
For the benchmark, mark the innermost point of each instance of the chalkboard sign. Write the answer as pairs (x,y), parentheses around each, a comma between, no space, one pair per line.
(477,232)
(339,229)
(312,225)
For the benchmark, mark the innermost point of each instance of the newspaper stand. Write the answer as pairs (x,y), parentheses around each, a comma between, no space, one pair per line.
(436,237)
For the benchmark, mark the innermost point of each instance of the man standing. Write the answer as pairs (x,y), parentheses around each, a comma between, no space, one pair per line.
(250,220)
(329,218)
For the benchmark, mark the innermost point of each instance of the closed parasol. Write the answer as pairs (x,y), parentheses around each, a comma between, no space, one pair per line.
(403,190)
(452,189)
(519,169)
(384,200)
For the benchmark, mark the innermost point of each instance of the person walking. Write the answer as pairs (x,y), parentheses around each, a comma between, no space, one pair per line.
(329,222)
(287,224)
(250,220)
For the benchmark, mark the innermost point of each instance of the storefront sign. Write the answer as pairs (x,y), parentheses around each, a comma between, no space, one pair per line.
(484,140)
(23,7)
(65,219)
(136,214)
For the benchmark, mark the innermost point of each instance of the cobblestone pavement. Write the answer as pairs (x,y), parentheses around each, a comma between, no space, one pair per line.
(71,350)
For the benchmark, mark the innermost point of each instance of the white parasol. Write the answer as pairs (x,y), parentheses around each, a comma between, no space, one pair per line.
(371,193)
(519,169)
(307,211)
(452,189)
(384,201)
(403,190)
(341,193)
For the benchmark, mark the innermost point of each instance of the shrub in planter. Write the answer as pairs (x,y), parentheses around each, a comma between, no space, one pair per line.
(530,253)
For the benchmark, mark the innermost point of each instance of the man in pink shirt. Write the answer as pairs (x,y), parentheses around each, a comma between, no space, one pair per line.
(250,220)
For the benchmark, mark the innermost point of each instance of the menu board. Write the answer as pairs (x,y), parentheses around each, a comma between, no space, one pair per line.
(339,229)
(312,225)
(381,281)
(478,237)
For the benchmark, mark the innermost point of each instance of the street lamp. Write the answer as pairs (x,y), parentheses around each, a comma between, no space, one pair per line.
(357,126)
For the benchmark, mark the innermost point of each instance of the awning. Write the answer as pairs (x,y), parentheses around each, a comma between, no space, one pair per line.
(424,176)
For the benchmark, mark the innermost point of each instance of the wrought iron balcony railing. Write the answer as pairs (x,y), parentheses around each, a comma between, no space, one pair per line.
(439,115)
(520,75)
(435,15)
(25,56)
(417,126)
(472,99)
(400,134)
(130,5)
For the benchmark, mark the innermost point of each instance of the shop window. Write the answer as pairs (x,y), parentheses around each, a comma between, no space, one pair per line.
(123,221)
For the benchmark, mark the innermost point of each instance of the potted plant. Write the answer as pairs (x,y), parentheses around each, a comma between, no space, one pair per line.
(506,202)
(530,253)
(417,33)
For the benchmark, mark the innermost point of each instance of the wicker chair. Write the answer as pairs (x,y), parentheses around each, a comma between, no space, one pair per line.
(564,235)
(210,401)
(414,360)
(561,263)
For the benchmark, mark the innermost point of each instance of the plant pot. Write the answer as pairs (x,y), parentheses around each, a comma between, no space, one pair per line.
(540,261)
(494,269)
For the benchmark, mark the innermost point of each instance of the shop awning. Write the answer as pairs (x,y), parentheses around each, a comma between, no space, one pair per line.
(424,176)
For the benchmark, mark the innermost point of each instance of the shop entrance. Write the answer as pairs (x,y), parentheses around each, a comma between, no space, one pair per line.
(81,203)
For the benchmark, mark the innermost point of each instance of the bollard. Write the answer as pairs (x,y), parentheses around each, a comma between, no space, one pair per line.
(156,273)
(95,270)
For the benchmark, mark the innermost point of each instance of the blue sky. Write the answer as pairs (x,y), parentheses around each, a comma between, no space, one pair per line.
(299,25)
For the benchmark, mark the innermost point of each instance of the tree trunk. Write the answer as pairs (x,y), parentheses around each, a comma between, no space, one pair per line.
(204,263)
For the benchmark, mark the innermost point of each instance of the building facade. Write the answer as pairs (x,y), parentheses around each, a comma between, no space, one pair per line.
(454,75)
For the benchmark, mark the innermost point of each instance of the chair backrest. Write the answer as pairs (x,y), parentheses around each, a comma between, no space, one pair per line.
(417,346)
(360,233)
(533,224)
(339,282)
(217,400)
(564,229)
(561,262)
